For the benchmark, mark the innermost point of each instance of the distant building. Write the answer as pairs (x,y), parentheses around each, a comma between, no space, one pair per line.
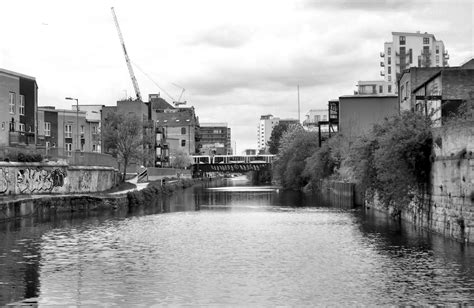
(215,139)
(65,131)
(18,105)
(444,92)
(411,50)
(313,117)
(250,152)
(358,113)
(376,87)
(264,130)
(177,129)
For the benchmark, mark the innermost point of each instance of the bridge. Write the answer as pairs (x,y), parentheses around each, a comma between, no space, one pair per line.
(231,163)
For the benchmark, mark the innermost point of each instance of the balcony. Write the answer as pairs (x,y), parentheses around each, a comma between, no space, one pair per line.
(382,64)
(382,54)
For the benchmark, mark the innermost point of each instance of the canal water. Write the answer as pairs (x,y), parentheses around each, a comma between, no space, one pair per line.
(232,244)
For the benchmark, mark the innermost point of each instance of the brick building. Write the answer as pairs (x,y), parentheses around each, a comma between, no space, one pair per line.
(18,104)
(444,92)
(215,139)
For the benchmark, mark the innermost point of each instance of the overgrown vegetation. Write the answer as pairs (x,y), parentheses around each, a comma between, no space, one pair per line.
(277,133)
(393,159)
(296,145)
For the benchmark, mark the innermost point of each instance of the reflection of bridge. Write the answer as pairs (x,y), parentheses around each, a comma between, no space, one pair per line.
(232,163)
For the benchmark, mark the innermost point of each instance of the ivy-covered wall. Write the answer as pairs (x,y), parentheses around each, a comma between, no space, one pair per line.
(449,207)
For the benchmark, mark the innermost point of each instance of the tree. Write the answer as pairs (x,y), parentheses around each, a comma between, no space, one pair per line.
(296,145)
(181,160)
(277,132)
(122,136)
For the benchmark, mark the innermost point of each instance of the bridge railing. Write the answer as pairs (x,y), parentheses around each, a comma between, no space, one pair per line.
(232,159)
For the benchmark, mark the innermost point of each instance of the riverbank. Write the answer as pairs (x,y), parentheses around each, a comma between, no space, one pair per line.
(43,205)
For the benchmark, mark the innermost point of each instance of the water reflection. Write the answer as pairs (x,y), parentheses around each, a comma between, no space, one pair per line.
(232,245)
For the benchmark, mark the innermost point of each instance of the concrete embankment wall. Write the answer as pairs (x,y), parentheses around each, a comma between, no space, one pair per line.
(42,206)
(448,207)
(54,178)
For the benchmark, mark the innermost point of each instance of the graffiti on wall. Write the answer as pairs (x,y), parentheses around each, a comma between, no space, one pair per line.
(85,181)
(36,180)
(4,180)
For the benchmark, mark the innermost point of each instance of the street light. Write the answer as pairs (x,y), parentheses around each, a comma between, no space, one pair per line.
(77,120)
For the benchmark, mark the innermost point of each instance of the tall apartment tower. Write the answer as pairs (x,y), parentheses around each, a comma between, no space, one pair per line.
(264,130)
(411,50)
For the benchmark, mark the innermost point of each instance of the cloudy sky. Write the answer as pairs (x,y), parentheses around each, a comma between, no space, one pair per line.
(237,59)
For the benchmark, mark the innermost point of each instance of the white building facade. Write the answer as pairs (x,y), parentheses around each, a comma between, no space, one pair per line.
(411,50)
(264,130)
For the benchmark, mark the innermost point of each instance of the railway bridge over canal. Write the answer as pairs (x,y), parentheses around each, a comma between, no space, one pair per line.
(232,163)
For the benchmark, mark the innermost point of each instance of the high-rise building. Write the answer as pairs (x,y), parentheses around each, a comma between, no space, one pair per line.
(411,50)
(264,130)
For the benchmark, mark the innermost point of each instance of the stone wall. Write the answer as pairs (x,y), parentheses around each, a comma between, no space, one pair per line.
(54,178)
(448,207)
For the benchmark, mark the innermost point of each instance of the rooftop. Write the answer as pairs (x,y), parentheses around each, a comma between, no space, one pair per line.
(2,70)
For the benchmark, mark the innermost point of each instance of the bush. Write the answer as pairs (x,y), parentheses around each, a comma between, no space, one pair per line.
(394,159)
(296,145)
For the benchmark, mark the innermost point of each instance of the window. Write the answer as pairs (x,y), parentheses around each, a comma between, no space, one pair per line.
(389,69)
(437,49)
(183,130)
(47,129)
(21,127)
(69,149)
(82,130)
(437,59)
(183,143)
(380,89)
(426,40)
(402,40)
(48,145)
(68,131)
(12,102)
(389,60)
(389,79)
(389,88)
(22,105)
(389,50)
(94,129)
(94,148)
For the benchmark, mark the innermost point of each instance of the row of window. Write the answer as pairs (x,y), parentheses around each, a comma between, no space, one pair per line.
(12,104)
(67,129)
(426,40)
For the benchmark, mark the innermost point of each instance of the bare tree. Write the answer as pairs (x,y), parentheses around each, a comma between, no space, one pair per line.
(122,136)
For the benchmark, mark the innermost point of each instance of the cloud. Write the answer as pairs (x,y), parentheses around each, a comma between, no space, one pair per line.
(364,5)
(224,36)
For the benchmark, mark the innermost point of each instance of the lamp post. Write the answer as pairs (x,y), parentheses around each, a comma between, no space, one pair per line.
(77,120)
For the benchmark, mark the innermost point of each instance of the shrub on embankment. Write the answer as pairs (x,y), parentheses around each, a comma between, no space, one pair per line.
(155,190)
(391,160)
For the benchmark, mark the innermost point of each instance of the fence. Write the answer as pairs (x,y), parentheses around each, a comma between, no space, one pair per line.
(74,158)
(78,158)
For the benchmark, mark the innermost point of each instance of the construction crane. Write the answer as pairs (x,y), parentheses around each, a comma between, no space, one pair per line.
(179,102)
(129,65)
